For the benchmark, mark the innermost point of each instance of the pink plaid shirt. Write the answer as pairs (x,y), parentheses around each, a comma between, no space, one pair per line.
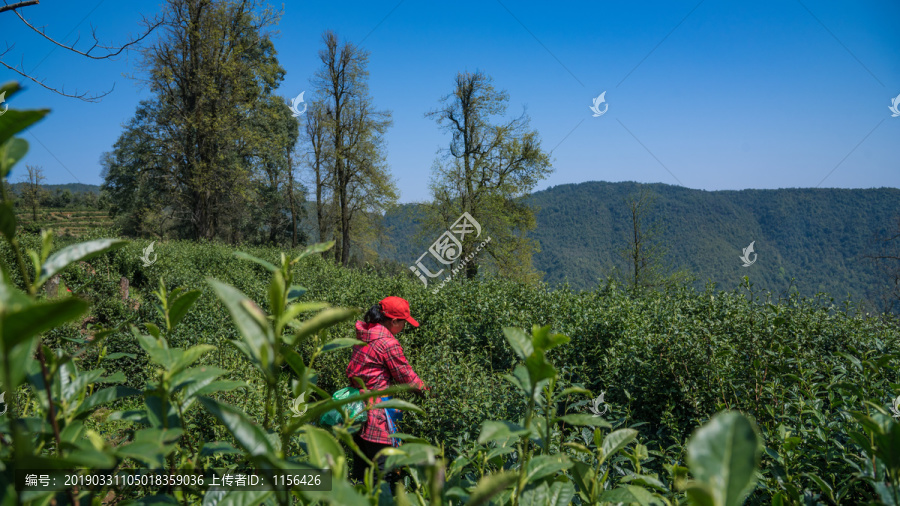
(380,363)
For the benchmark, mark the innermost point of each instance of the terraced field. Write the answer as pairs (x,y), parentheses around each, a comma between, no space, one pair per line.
(67,221)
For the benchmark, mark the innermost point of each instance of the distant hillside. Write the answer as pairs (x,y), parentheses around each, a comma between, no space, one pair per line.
(816,236)
(72,187)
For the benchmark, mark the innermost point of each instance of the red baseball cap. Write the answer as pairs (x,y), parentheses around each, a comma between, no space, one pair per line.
(395,307)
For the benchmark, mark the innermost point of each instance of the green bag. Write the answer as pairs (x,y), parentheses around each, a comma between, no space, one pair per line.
(356,410)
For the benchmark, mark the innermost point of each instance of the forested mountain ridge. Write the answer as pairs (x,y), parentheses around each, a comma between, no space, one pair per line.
(818,236)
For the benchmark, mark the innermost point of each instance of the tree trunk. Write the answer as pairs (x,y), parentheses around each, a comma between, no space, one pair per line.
(53,287)
(291,200)
(123,288)
(345,227)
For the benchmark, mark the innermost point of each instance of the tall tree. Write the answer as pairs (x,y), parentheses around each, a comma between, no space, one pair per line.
(353,131)
(207,158)
(31,191)
(294,207)
(319,158)
(213,64)
(646,252)
(486,170)
(643,252)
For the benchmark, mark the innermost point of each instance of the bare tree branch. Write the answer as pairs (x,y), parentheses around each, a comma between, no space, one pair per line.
(60,91)
(110,51)
(26,3)
(113,50)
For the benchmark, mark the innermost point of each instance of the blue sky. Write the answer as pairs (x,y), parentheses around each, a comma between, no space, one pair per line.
(709,95)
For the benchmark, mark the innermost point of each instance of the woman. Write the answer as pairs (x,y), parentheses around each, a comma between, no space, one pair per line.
(379,364)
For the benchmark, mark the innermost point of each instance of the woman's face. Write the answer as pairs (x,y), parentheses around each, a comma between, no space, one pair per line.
(396,326)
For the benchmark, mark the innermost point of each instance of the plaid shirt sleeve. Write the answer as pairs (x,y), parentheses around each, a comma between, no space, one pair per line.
(401,372)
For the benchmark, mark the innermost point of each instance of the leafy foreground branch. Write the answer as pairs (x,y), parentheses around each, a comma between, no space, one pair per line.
(547,457)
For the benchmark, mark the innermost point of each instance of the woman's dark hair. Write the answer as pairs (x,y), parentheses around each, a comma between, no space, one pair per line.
(374,315)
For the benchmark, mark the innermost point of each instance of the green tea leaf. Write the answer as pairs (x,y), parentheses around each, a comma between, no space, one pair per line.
(342,493)
(584,419)
(180,307)
(340,343)
(499,431)
(322,320)
(701,495)
(491,485)
(539,369)
(196,377)
(546,465)
(521,380)
(21,323)
(583,475)
(397,404)
(276,293)
(323,450)
(11,152)
(315,248)
(295,361)
(187,358)
(268,265)
(7,220)
(575,390)
(615,441)
(294,310)
(544,340)
(151,446)
(14,121)
(295,292)
(105,396)
(519,341)
(723,455)
(631,494)
(561,493)
(76,253)
(246,432)
(246,317)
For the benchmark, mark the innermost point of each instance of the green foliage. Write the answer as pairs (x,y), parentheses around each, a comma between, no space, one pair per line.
(486,169)
(215,139)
